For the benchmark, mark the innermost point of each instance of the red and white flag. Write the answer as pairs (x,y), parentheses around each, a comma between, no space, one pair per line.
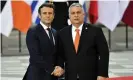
(128,15)
(110,13)
(93,11)
(6,19)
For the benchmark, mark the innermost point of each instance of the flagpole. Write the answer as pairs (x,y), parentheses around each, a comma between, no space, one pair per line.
(19,41)
(109,38)
(126,36)
(1,45)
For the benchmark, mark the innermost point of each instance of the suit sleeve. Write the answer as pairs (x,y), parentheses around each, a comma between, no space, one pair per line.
(103,53)
(34,51)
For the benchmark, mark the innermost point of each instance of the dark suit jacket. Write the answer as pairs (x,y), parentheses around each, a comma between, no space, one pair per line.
(92,58)
(42,54)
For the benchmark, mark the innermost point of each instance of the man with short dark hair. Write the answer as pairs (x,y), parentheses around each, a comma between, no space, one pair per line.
(41,43)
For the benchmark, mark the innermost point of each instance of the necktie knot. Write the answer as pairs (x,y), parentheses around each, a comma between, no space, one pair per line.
(48,29)
(77,30)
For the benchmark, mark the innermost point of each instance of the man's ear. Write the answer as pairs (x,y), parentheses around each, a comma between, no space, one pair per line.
(53,16)
(39,16)
(84,14)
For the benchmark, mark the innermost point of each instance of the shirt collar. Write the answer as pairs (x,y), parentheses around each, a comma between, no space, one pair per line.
(44,26)
(74,28)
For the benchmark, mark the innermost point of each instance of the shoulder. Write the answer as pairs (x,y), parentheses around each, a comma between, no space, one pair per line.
(53,30)
(65,29)
(33,29)
(93,27)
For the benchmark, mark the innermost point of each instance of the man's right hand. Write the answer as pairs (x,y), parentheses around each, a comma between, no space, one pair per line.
(58,71)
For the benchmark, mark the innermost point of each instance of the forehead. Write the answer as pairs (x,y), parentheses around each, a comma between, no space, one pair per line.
(47,9)
(75,8)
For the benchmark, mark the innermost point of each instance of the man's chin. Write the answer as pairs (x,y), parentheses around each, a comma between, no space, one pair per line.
(48,22)
(76,21)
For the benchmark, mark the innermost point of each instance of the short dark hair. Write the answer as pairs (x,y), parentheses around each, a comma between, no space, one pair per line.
(50,5)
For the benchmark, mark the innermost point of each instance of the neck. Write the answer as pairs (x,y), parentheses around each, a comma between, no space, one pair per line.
(76,25)
(48,25)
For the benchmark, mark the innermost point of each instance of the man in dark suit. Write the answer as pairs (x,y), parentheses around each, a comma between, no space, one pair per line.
(41,43)
(83,48)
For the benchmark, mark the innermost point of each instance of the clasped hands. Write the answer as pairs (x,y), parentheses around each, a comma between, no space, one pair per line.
(58,71)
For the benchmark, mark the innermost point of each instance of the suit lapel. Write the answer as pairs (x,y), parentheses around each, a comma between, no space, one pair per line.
(43,33)
(71,39)
(83,36)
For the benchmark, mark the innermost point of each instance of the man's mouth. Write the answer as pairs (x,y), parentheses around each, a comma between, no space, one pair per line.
(76,19)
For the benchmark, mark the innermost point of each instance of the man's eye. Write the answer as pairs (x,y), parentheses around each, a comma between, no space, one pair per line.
(50,13)
(44,13)
(78,12)
(73,13)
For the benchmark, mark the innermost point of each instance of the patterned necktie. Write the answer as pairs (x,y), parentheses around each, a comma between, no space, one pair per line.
(77,37)
(50,35)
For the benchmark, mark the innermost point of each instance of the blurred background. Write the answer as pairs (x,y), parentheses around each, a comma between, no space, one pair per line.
(114,17)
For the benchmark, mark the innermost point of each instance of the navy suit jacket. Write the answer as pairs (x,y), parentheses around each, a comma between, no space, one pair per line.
(42,54)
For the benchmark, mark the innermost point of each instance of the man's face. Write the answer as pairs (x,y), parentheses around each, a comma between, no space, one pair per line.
(46,15)
(76,15)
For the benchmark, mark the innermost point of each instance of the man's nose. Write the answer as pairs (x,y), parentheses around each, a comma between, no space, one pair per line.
(47,15)
(76,14)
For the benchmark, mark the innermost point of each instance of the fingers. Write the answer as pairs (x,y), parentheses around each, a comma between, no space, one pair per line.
(58,71)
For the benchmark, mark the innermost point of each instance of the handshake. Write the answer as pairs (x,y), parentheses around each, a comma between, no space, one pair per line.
(58,71)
